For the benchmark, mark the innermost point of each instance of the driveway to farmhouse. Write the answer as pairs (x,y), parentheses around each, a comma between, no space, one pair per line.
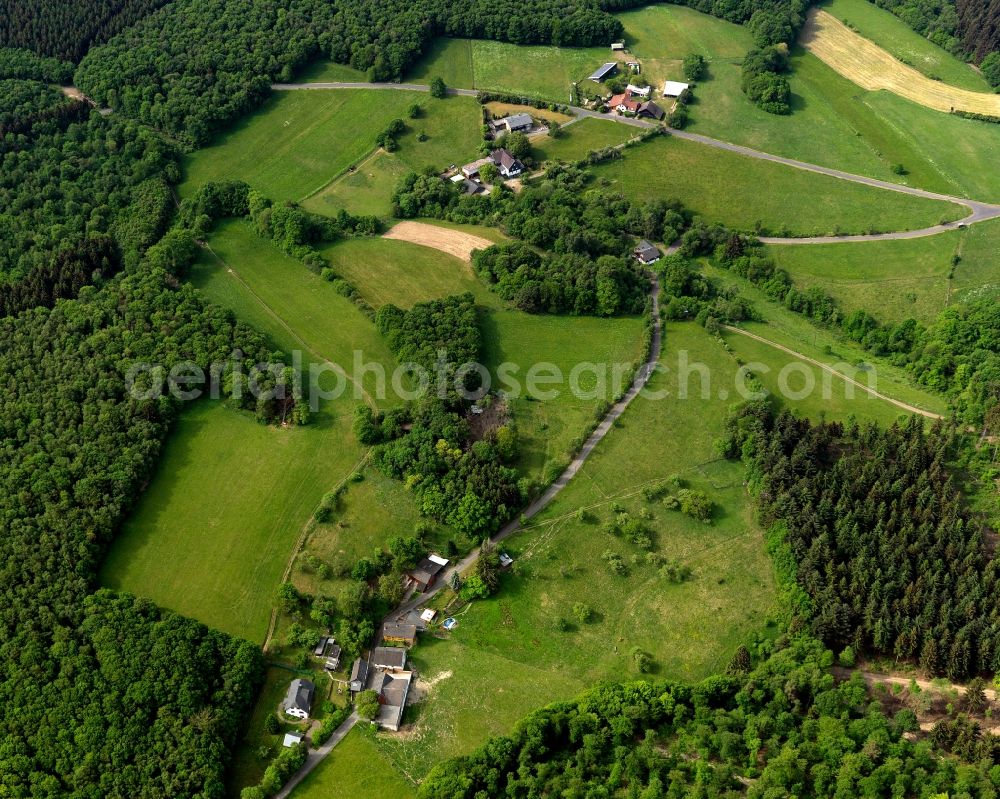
(978,211)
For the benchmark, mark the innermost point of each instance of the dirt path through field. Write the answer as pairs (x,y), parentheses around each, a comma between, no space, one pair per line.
(898,403)
(453,242)
(863,62)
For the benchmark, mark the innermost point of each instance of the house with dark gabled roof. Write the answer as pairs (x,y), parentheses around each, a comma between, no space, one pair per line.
(299,699)
(390,658)
(646,253)
(651,110)
(506,163)
(359,675)
(400,633)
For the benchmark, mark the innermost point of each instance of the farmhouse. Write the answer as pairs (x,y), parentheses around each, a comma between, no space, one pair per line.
(405,634)
(646,253)
(392,690)
(640,91)
(507,164)
(604,72)
(359,675)
(623,103)
(651,110)
(427,571)
(298,700)
(674,88)
(389,658)
(517,122)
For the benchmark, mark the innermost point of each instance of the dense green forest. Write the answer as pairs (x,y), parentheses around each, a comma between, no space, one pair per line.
(69,176)
(198,64)
(587,236)
(784,728)
(888,558)
(19,63)
(96,700)
(457,479)
(66,28)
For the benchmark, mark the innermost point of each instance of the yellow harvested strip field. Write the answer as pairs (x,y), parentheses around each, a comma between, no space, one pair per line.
(453,242)
(869,66)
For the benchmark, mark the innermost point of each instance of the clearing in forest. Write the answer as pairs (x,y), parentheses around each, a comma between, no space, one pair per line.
(872,68)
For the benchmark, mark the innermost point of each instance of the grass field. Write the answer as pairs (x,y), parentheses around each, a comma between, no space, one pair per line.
(357,767)
(660,36)
(893,280)
(896,37)
(748,193)
(403,273)
(798,333)
(838,124)
(690,629)
(579,139)
(301,140)
(213,532)
(211,535)
(977,274)
(872,67)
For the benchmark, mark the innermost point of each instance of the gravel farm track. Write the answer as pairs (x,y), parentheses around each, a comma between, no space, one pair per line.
(863,62)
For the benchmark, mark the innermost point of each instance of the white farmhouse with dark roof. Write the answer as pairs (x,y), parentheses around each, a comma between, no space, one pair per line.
(299,699)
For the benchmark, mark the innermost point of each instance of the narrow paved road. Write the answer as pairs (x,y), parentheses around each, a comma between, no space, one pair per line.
(978,211)
(641,378)
(315,756)
(831,370)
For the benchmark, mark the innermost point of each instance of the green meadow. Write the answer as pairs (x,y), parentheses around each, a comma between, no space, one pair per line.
(357,767)
(748,193)
(798,333)
(893,35)
(580,138)
(835,123)
(212,533)
(659,35)
(300,141)
(893,280)
(689,629)
(384,270)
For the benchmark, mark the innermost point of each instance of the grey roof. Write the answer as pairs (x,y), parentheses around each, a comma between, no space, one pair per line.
(300,695)
(503,157)
(646,251)
(393,689)
(392,630)
(519,121)
(604,70)
(389,657)
(652,109)
(359,672)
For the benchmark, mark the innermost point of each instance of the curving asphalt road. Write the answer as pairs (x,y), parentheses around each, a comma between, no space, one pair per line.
(978,211)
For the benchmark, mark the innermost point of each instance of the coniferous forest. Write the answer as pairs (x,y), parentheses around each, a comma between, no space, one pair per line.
(888,559)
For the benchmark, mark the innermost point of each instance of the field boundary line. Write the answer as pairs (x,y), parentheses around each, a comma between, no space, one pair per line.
(301,541)
(340,370)
(825,367)
(343,173)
